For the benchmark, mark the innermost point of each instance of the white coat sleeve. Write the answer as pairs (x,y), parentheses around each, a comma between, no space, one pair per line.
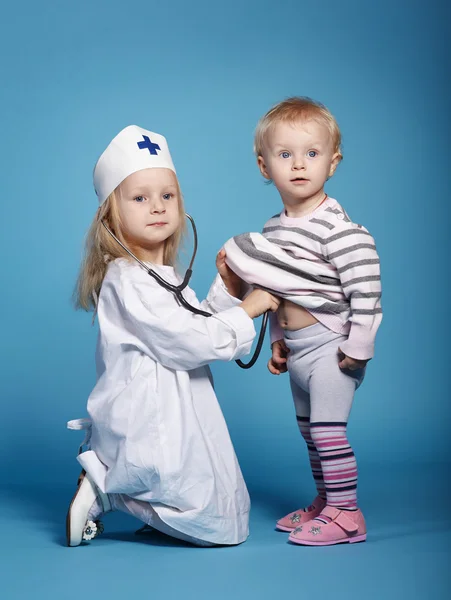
(144,314)
(217,300)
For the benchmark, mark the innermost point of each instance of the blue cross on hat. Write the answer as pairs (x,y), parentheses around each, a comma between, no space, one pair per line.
(151,147)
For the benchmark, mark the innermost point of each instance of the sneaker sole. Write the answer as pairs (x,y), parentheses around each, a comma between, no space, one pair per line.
(285,529)
(350,540)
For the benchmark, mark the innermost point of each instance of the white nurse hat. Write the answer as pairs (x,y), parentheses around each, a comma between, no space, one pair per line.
(133,149)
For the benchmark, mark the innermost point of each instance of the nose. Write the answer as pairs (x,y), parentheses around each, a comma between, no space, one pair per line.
(157,206)
(298,163)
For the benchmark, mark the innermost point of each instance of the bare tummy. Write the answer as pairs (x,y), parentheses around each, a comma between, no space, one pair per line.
(292,316)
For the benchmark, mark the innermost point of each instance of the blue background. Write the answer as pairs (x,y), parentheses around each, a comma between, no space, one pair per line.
(203,73)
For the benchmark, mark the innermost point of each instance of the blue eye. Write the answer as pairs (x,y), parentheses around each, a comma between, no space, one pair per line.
(139,199)
(285,154)
(312,153)
(167,196)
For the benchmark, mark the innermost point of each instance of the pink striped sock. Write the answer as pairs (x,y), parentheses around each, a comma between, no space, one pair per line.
(315,462)
(339,467)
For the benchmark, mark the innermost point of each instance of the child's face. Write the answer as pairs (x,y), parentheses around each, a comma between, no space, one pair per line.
(298,157)
(148,206)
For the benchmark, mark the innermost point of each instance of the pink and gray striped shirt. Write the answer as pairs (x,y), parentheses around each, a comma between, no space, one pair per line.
(321,261)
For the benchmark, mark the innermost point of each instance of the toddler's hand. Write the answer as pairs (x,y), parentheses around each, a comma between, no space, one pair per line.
(346,362)
(277,364)
(231,280)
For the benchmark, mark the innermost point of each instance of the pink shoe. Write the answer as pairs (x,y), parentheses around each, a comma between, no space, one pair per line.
(296,518)
(333,526)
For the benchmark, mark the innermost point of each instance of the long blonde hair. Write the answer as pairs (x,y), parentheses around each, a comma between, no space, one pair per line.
(101,249)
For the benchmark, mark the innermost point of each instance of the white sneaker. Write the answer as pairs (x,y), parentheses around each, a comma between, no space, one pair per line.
(78,527)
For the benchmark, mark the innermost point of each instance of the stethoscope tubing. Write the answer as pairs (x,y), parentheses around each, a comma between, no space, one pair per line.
(178,289)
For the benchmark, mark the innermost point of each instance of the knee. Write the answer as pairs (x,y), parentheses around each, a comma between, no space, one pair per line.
(328,435)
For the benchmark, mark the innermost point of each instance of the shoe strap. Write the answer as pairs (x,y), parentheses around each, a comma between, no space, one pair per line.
(102,497)
(104,500)
(340,518)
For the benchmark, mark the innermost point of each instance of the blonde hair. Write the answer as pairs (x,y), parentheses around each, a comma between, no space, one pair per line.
(101,249)
(298,108)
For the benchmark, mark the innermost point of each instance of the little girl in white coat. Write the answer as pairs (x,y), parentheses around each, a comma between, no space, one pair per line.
(158,447)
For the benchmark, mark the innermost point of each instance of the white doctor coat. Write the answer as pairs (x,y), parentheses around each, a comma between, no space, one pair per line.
(158,433)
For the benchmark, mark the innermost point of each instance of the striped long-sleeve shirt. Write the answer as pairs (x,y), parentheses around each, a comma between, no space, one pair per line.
(321,261)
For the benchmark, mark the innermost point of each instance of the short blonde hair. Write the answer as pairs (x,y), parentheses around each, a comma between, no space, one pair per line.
(298,108)
(101,248)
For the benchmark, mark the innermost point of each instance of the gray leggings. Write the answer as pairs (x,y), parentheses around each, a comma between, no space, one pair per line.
(321,390)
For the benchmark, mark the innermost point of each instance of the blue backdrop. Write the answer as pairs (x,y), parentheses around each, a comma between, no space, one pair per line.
(203,73)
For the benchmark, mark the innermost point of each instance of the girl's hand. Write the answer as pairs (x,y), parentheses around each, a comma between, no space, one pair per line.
(230,279)
(259,302)
(277,364)
(346,362)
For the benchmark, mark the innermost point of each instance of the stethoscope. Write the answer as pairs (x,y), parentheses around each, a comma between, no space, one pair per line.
(178,289)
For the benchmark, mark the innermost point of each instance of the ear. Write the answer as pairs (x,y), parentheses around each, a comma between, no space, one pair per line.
(336,159)
(262,167)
